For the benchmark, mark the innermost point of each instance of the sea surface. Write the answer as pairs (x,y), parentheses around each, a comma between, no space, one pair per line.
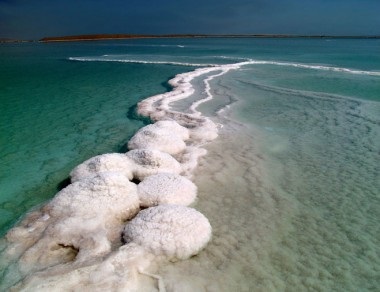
(292,184)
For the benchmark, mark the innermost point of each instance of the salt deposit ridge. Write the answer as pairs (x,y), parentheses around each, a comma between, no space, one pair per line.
(97,233)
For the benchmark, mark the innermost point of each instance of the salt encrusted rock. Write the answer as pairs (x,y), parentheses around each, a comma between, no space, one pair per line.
(166,188)
(148,162)
(102,163)
(176,232)
(166,136)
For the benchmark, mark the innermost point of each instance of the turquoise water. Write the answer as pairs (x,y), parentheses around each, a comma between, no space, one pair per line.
(56,113)
(311,116)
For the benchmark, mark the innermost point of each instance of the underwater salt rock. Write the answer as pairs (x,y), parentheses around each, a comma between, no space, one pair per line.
(204,132)
(166,188)
(177,232)
(102,163)
(148,162)
(166,136)
(190,158)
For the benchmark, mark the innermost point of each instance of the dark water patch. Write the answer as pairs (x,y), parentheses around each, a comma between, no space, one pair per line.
(132,114)
(64,183)
(166,85)
(123,148)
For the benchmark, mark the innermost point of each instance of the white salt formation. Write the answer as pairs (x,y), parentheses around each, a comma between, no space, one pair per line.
(75,241)
(189,159)
(205,131)
(174,127)
(173,231)
(123,270)
(166,188)
(85,218)
(147,162)
(108,194)
(116,162)
(166,136)
(201,128)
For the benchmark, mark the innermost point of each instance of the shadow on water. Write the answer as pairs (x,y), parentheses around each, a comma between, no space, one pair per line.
(124,148)
(133,115)
(167,86)
(61,185)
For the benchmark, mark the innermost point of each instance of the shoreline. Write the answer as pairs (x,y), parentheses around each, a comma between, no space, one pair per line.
(115,37)
(102,37)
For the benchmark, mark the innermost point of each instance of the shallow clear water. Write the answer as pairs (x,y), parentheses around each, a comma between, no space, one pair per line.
(291,186)
(322,154)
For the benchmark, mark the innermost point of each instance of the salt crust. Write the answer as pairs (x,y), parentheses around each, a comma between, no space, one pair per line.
(135,164)
(85,218)
(147,162)
(166,188)
(109,194)
(117,272)
(174,127)
(102,163)
(177,232)
(166,136)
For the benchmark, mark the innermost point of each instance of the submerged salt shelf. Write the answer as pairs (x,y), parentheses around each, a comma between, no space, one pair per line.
(86,228)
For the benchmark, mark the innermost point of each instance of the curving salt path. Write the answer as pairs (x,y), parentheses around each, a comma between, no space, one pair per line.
(84,232)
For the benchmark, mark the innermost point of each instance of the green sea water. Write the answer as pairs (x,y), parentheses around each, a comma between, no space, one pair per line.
(56,113)
(310,117)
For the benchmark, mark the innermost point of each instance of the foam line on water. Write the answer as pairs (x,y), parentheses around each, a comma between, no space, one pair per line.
(182,88)
(86,59)
(318,67)
(243,60)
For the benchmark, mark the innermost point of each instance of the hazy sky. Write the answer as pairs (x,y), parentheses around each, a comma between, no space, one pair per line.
(39,18)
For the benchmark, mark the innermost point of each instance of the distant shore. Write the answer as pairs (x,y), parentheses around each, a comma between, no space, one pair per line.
(102,37)
(97,37)
(7,41)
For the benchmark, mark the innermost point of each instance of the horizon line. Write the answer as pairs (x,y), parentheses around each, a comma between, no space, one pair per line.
(111,36)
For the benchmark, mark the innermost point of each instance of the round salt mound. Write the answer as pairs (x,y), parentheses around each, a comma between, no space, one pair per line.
(166,188)
(176,232)
(166,136)
(116,162)
(147,162)
(174,127)
(107,195)
(159,139)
